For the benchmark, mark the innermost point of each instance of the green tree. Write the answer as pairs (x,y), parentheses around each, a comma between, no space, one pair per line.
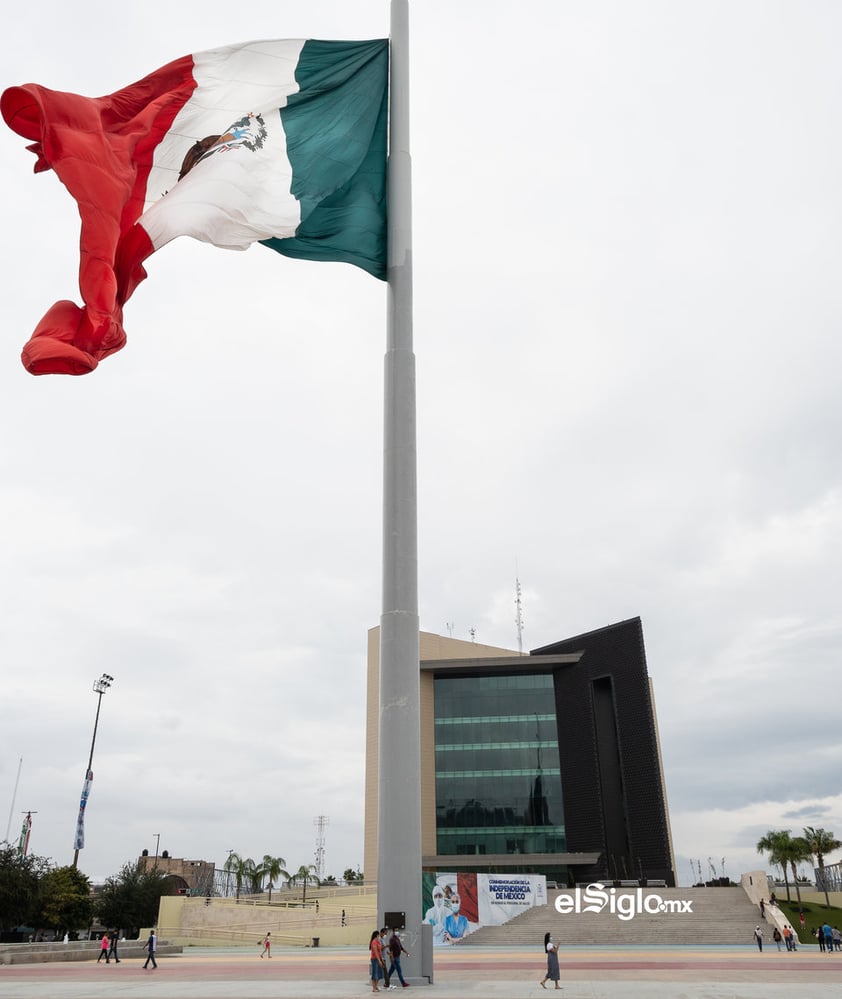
(252,876)
(821,843)
(773,844)
(271,869)
(784,850)
(20,886)
(130,900)
(797,851)
(350,876)
(238,867)
(306,874)
(66,902)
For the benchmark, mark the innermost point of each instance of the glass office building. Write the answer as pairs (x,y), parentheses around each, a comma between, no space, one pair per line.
(498,782)
(546,763)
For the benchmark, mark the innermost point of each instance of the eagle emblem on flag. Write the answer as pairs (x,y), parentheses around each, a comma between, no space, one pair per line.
(249,131)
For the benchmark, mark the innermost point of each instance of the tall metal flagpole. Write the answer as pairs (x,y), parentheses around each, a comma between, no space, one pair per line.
(399,789)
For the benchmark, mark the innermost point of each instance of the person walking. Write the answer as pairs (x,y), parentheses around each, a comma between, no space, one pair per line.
(776,936)
(103,949)
(267,946)
(396,948)
(758,936)
(112,946)
(375,950)
(828,937)
(384,950)
(553,974)
(151,947)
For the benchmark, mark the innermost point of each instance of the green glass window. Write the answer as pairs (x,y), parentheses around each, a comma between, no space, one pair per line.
(498,783)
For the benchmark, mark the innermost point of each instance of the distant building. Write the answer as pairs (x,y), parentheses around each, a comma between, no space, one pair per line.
(194,877)
(547,762)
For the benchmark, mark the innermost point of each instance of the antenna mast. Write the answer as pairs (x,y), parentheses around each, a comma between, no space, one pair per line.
(519,617)
(320,821)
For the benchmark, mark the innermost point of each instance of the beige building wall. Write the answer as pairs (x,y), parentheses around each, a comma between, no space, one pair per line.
(432,647)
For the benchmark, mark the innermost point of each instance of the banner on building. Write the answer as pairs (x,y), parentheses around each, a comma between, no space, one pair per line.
(457,904)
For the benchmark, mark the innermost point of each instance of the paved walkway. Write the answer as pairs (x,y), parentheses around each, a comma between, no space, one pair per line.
(482,972)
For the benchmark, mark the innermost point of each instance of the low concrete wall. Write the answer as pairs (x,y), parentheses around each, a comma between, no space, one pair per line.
(79,950)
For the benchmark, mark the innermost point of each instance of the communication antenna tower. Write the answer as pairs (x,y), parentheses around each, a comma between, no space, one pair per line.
(473,633)
(320,821)
(449,625)
(519,617)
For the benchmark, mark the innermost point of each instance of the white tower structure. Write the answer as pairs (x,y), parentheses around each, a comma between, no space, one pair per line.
(320,821)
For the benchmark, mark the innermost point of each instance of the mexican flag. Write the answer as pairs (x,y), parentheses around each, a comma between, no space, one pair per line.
(280,142)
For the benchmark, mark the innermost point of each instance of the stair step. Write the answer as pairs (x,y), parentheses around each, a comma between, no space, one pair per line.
(716,916)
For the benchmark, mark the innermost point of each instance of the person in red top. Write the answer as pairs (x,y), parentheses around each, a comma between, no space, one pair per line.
(376,950)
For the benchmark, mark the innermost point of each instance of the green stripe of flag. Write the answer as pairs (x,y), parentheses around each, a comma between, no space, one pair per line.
(336,129)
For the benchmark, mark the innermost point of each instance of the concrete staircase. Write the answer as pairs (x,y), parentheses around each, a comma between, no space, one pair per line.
(717,916)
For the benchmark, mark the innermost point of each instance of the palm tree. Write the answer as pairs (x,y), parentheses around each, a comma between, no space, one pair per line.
(821,842)
(796,850)
(271,869)
(245,871)
(774,843)
(253,875)
(306,874)
(234,865)
(784,848)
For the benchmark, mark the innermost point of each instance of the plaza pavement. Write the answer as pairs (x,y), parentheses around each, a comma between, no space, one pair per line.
(482,972)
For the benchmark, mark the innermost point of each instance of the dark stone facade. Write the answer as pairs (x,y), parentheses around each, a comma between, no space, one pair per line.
(608,749)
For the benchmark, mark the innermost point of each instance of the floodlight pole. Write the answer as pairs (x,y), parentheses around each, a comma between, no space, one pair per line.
(100,687)
(399,786)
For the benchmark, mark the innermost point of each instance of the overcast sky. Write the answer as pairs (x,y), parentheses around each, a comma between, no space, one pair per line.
(627,321)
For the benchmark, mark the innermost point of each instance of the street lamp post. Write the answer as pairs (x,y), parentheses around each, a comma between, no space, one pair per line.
(100,687)
(157,844)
